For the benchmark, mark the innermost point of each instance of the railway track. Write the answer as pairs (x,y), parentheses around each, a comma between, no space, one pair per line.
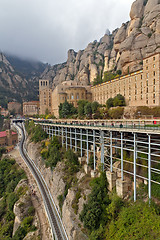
(57,228)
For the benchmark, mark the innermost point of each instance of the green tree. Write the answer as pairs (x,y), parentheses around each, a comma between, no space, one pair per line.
(66,109)
(81,105)
(119,100)
(88,109)
(94,106)
(109,103)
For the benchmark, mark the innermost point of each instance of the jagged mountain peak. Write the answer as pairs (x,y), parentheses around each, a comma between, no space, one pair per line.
(123,49)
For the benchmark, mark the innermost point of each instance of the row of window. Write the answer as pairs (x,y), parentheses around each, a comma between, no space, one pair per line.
(154,58)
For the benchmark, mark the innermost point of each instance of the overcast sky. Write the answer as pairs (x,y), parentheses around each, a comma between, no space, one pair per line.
(46,29)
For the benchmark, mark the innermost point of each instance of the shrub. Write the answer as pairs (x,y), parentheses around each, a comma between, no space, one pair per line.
(138,221)
(11,199)
(116,113)
(94,212)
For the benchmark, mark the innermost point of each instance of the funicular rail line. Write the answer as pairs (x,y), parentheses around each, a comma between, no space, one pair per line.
(57,230)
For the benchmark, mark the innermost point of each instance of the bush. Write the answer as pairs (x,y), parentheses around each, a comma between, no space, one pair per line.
(116,113)
(36,131)
(109,76)
(51,153)
(138,221)
(76,200)
(11,199)
(71,162)
(94,212)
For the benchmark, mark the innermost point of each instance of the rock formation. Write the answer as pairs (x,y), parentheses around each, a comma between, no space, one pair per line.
(22,206)
(122,50)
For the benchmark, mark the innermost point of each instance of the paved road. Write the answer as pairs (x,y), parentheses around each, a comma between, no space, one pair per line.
(58,231)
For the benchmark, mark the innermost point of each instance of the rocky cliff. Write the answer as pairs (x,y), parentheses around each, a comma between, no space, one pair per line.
(56,184)
(122,50)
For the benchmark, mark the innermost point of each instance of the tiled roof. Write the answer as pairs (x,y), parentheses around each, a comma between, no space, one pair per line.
(4,134)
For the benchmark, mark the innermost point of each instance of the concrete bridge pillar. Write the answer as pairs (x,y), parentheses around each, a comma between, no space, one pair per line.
(111,177)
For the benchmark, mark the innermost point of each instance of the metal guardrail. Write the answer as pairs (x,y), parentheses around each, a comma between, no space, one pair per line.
(130,128)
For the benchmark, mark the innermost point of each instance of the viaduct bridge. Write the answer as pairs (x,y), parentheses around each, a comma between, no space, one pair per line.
(123,148)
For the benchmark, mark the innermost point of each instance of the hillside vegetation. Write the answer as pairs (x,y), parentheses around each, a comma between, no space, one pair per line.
(10,175)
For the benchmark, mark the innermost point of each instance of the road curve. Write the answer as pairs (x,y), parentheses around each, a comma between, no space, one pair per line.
(57,228)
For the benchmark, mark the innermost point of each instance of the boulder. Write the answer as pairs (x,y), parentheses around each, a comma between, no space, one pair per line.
(150,5)
(137,9)
(121,34)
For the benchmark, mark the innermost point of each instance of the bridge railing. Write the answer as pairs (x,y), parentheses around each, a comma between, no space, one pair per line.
(117,125)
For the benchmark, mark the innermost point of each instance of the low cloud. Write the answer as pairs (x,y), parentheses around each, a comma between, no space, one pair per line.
(45,30)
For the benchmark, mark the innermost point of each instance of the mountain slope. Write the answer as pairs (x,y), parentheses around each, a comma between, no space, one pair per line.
(13,85)
(28,68)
